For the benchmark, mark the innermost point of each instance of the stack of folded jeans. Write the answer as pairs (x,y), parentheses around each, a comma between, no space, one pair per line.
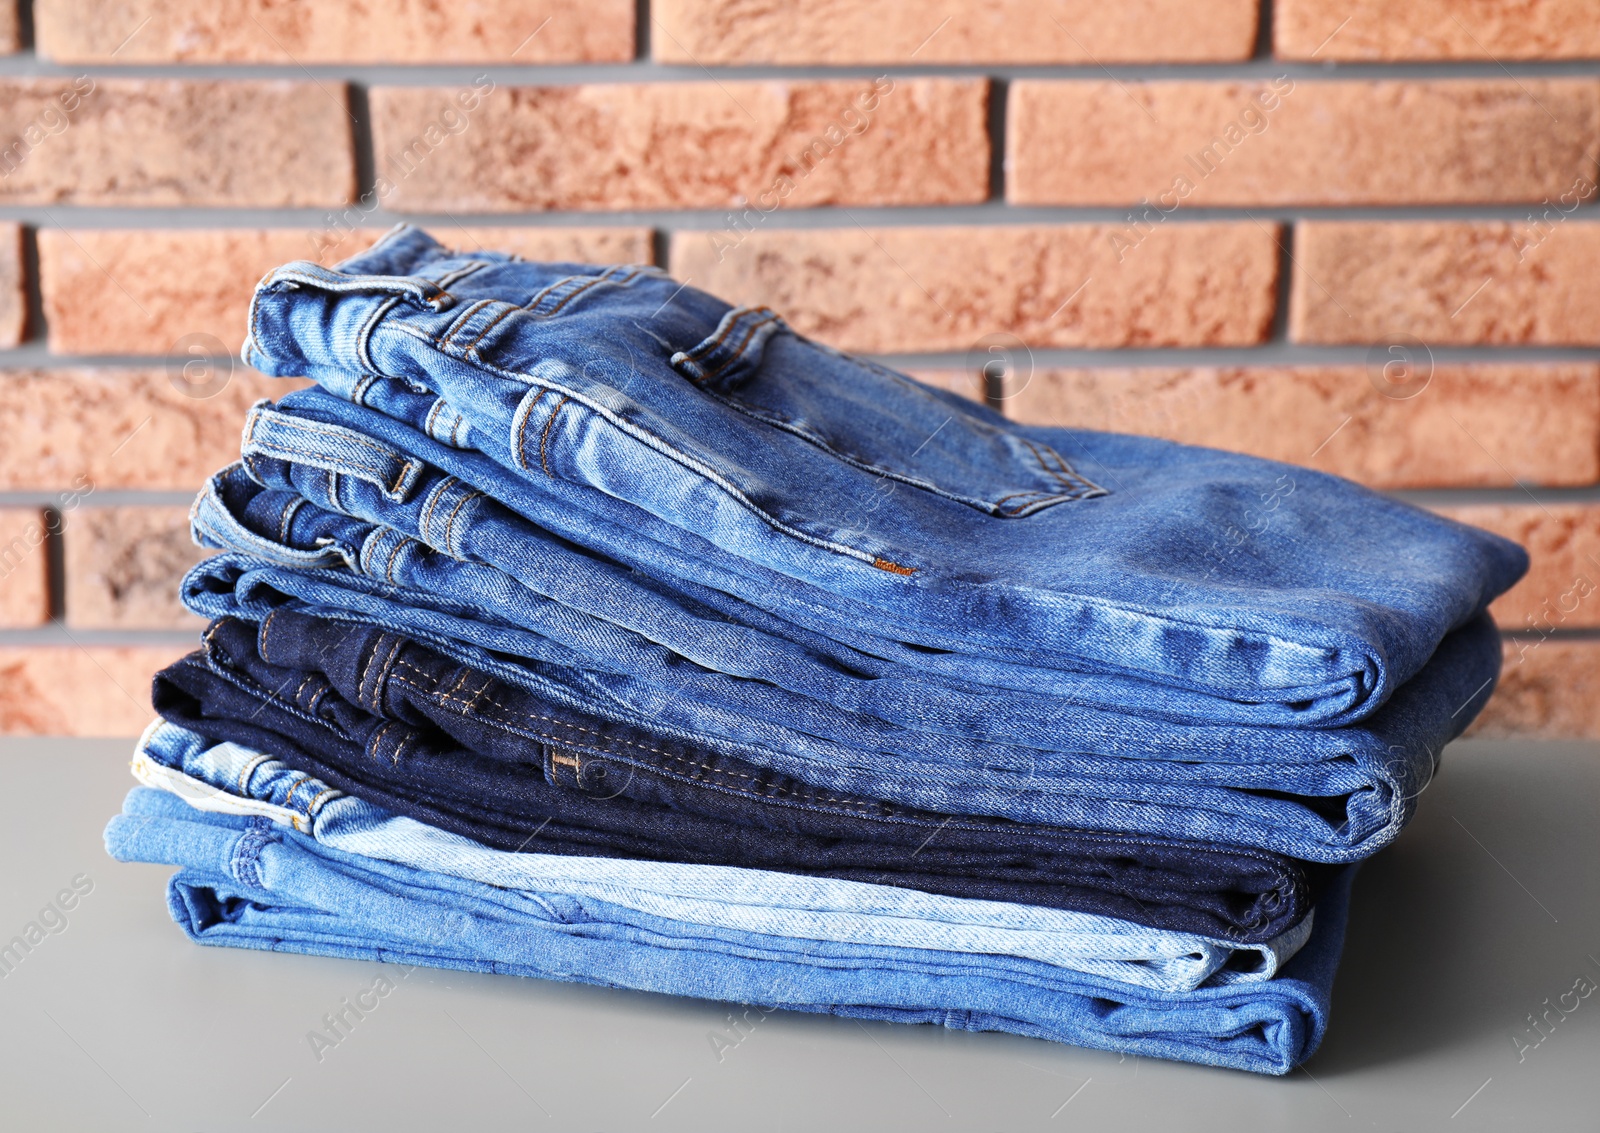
(575,624)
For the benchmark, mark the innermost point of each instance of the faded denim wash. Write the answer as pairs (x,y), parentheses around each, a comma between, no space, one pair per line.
(629,413)
(232,779)
(252,883)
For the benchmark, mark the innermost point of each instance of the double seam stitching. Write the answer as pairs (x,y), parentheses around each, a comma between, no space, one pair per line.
(544,437)
(1062,472)
(618,275)
(461,321)
(739,317)
(736,352)
(433,502)
(375,696)
(494,322)
(394,557)
(525,412)
(450,523)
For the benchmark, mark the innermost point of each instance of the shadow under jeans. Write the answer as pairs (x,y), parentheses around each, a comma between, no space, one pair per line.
(1486,905)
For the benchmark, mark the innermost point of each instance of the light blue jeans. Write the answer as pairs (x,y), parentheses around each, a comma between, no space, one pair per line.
(228,778)
(657,424)
(251,882)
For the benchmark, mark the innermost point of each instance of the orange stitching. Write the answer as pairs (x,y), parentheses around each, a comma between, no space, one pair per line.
(266,630)
(738,351)
(383,673)
(893,568)
(460,323)
(394,555)
(1077,483)
(433,502)
(372,744)
(494,322)
(449,524)
(545,436)
(716,340)
(573,294)
(522,430)
(311,806)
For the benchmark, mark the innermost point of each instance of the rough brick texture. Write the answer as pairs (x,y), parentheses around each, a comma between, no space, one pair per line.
(950,31)
(13,299)
(106,141)
(914,289)
(685,145)
(1435,29)
(24,568)
(1335,419)
(1562,587)
(67,690)
(1549,689)
(94,430)
(1192,143)
(123,565)
(1528,282)
(307,31)
(139,291)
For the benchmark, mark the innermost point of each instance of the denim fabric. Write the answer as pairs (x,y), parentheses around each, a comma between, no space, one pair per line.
(251,883)
(232,779)
(396,724)
(447,535)
(1331,795)
(627,413)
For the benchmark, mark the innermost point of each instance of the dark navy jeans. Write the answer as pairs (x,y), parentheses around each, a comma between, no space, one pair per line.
(388,720)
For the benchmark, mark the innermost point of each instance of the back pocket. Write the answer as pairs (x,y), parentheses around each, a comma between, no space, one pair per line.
(876,419)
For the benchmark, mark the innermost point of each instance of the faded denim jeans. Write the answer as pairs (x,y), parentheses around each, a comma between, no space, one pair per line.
(250,882)
(231,779)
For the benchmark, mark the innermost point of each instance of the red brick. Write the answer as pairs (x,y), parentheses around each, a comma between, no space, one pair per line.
(579,245)
(950,31)
(68,690)
(1562,587)
(123,565)
(167,142)
(304,31)
(685,145)
(916,289)
(24,568)
(95,430)
(130,291)
(1435,29)
(1499,424)
(13,294)
(1447,281)
(1461,140)
(1549,690)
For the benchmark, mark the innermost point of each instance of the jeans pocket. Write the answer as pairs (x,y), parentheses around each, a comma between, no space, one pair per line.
(877,420)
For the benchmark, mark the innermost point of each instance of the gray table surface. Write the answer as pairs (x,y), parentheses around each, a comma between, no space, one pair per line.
(1486,907)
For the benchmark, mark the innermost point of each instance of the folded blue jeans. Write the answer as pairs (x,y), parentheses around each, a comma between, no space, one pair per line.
(396,724)
(250,882)
(1325,795)
(231,779)
(626,413)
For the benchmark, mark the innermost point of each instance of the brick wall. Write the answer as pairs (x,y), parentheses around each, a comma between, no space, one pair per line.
(1352,235)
